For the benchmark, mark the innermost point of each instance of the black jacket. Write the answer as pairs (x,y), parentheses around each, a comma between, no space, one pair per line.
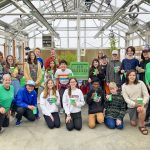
(95,107)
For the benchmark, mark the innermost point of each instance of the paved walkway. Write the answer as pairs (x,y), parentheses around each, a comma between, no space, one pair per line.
(36,136)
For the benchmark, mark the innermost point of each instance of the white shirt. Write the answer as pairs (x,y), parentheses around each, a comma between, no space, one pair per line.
(48,108)
(63,76)
(79,99)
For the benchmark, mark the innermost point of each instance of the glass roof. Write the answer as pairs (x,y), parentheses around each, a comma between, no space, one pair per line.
(61,16)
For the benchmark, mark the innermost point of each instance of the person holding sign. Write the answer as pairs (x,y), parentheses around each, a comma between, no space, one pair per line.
(136,96)
(26,103)
(49,101)
(95,101)
(115,106)
(73,100)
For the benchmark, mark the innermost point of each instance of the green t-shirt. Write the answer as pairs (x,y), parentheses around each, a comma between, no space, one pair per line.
(6,97)
(147,74)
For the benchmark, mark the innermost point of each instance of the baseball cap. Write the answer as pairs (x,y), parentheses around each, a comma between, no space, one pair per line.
(115,52)
(146,49)
(30,82)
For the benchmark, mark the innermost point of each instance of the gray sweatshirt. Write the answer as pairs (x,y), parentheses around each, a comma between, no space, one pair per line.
(113,75)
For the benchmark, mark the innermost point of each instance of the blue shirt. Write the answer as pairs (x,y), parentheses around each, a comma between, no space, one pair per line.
(41,61)
(129,64)
(25,98)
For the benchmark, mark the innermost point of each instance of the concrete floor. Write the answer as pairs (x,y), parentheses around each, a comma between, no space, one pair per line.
(36,136)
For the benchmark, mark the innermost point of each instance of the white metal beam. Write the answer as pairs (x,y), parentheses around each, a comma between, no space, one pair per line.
(39,16)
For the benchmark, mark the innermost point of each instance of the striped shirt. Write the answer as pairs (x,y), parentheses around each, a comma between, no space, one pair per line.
(63,76)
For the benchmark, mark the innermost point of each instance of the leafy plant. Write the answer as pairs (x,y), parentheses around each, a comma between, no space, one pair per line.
(69,57)
(113,42)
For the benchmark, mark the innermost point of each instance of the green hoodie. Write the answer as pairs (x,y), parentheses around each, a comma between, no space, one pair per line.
(147,74)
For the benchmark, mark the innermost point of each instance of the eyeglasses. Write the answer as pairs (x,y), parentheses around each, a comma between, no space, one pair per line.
(72,81)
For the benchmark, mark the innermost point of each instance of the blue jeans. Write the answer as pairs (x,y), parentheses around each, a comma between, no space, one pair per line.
(111,123)
(16,85)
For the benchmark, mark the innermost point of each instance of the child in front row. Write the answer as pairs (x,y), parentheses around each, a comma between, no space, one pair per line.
(95,101)
(73,100)
(115,108)
(49,101)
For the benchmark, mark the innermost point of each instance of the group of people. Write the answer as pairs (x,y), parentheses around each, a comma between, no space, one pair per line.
(114,88)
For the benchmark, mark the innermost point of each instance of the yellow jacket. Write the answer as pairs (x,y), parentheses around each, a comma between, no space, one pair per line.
(27,74)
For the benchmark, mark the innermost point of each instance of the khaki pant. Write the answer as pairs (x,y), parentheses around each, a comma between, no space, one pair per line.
(93,117)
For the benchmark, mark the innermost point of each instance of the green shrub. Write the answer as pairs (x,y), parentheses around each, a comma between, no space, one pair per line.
(69,57)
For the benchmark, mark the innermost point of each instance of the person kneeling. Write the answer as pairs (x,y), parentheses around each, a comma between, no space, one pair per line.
(6,98)
(115,108)
(95,101)
(49,101)
(26,103)
(73,100)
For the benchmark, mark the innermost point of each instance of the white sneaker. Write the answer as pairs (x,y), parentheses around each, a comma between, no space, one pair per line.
(2,130)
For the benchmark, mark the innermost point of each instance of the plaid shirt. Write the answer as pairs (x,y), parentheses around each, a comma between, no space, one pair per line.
(116,108)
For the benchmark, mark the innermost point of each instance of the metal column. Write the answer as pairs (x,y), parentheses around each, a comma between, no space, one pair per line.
(78,33)
(147,37)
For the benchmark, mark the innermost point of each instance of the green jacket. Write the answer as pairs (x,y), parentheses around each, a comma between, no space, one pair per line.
(147,74)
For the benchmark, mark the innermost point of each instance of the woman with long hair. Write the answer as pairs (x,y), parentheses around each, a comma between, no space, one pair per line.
(15,72)
(32,70)
(136,96)
(50,71)
(49,101)
(95,71)
(73,100)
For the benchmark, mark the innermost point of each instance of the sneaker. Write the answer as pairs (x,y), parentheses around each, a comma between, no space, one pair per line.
(18,123)
(2,130)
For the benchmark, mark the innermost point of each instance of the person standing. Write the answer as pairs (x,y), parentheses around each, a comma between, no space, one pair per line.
(62,79)
(96,72)
(52,57)
(50,71)
(6,98)
(32,70)
(15,72)
(129,63)
(144,72)
(2,65)
(113,69)
(37,52)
